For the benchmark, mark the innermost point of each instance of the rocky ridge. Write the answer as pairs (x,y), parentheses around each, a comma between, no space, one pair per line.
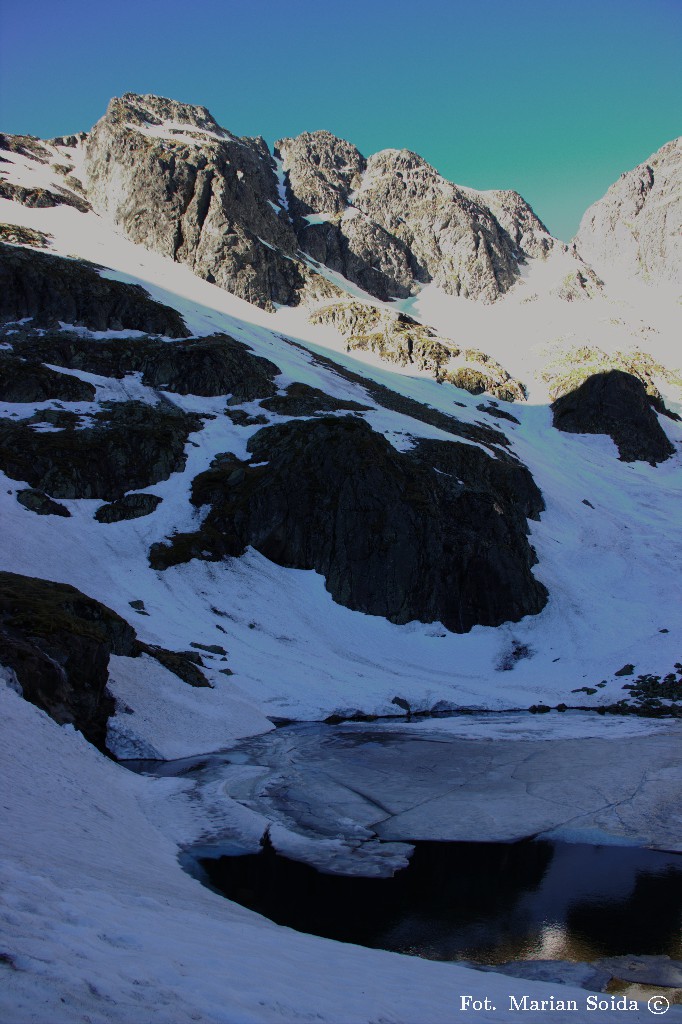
(391,223)
(177,182)
(173,179)
(636,227)
(398,338)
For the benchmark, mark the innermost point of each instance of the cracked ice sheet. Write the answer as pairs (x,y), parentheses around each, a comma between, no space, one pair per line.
(413,782)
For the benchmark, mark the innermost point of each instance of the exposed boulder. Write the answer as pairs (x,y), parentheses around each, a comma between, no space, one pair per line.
(41,504)
(17,235)
(51,288)
(131,506)
(615,403)
(302,400)
(58,643)
(131,445)
(391,535)
(183,664)
(578,285)
(575,364)
(42,197)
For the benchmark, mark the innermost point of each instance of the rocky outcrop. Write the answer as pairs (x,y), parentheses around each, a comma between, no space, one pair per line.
(391,535)
(573,366)
(183,664)
(177,182)
(302,400)
(58,642)
(615,403)
(129,446)
(42,197)
(36,501)
(392,223)
(400,339)
(217,365)
(50,288)
(28,381)
(579,284)
(516,217)
(636,228)
(16,235)
(492,439)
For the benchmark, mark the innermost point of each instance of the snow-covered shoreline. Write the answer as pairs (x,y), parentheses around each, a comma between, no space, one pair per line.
(101,924)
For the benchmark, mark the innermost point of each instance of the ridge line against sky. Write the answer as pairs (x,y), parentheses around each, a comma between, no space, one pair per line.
(552,99)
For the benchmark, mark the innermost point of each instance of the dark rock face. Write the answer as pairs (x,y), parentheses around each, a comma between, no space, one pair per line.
(302,400)
(36,501)
(217,365)
(131,446)
(199,195)
(132,506)
(615,403)
(241,418)
(51,288)
(28,381)
(58,641)
(391,535)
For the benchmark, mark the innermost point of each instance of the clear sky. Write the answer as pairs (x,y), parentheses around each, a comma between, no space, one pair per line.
(554,98)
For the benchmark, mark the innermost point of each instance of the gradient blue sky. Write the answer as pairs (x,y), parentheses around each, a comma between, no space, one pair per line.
(554,99)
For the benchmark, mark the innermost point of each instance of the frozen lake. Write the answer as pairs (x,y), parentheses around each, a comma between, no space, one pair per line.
(487,837)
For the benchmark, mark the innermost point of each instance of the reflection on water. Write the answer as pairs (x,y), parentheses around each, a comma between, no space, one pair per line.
(487,902)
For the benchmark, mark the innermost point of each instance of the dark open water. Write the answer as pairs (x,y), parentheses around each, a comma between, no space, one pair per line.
(487,902)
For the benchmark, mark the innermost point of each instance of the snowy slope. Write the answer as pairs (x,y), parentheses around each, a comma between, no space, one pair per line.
(89,865)
(611,569)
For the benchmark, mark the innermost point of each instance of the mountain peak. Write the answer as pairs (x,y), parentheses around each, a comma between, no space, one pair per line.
(635,229)
(150,110)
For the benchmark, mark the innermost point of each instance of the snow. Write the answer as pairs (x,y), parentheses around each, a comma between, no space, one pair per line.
(318,218)
(177,131)
(160,716)
(102,921)
(102,924)
(281,183)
